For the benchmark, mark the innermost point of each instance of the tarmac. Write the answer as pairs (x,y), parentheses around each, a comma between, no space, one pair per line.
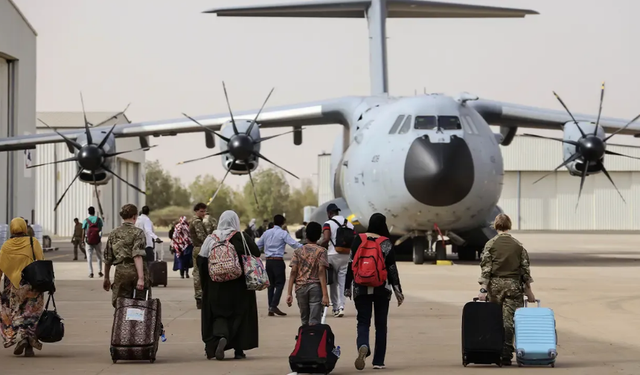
(589,280)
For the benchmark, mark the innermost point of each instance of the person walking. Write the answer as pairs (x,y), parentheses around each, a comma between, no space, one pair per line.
(92,227)
(505,278)
(144,222)
(76,240)
(373,300)
(274,241)
(182,246)
(198,233)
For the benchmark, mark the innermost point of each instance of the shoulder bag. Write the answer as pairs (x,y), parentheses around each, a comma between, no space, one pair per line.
(254,271)
(39,274)
(50,327)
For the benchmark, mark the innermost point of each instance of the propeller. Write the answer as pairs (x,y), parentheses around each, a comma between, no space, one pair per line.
(90,157)
(240,146)
(589,148)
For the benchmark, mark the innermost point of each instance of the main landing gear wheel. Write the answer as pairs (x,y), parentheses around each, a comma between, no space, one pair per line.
(419,246)
(441,251)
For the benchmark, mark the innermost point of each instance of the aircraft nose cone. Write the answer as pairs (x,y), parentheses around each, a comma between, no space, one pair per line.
(439,174)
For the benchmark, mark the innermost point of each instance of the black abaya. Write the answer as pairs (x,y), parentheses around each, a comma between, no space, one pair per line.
(229,310)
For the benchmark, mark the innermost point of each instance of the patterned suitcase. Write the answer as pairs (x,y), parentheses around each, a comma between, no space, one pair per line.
(536,336)
(137,327)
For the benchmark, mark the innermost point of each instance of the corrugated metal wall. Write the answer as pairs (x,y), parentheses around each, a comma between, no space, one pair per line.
(325,190)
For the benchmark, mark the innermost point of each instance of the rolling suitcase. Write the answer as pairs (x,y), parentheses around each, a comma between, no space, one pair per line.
(137,327)
(158,270)
(315,351)
(536,336)
(482,333)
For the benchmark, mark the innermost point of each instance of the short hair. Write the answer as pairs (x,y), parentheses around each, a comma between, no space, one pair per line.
(270,225)
(279,220)
(502,223)
(128,211)
(314,231)
(199,206)
(76,219)
(92,211)
(145,210)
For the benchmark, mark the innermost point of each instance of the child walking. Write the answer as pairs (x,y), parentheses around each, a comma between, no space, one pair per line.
(308,272)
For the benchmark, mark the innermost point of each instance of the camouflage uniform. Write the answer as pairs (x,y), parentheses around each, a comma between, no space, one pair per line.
(125,243)
(198,234)
(76,240)
(209,224)
(505,270)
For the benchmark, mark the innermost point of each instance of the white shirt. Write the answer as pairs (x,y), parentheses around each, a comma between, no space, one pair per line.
(334,230)
(145,224)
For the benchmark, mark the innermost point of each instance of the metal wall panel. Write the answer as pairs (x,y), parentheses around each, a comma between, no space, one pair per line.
(325,190)
(76,201)
(509,197)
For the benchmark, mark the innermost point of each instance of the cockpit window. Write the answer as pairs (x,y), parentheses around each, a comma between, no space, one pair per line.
(396,124)
(405,126)
(449,123)
(425,122)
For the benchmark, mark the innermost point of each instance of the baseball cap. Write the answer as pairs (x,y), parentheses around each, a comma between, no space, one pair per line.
(332,207)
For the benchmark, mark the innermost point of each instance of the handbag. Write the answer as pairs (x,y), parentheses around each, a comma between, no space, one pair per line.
(39,274)
(50,327)
(254,272)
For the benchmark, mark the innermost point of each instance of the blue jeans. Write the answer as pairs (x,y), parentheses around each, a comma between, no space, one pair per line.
(379,306)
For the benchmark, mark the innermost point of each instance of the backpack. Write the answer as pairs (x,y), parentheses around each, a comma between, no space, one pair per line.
(368,265)
(344,237)
(93,232)
(224,264)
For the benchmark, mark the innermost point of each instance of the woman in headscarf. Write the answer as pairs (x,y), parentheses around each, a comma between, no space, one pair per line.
(20,305)
(374,300)
(183,247)
(252,230)
(229,310)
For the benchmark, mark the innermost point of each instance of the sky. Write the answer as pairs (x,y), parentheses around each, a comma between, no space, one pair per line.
(167,57)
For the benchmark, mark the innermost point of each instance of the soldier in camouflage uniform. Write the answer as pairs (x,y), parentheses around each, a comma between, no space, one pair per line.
(126,250)
(505,278)
(209,224)
(198,234)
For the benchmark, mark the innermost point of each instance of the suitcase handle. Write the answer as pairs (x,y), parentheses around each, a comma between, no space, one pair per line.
(324,315)
(146,298)
(527,300)
(476,299)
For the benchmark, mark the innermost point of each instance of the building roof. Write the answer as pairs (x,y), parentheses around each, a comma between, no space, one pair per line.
(73,120)
(23,17)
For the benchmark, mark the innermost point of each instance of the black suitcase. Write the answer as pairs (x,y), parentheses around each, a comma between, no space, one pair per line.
(158,271)
(482,333)
(314,352)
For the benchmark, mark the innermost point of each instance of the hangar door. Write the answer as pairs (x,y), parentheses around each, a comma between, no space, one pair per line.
(550,204)
(5,91)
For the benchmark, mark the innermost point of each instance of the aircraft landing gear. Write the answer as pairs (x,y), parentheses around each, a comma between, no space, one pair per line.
(467,253)
(441,251)
(419,247)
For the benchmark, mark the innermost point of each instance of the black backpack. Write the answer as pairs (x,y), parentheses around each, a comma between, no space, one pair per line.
(344,237)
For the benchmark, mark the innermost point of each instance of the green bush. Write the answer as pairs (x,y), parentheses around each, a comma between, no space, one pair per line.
(169,215)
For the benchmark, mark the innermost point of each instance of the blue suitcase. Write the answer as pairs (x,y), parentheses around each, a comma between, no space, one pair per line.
(535,336)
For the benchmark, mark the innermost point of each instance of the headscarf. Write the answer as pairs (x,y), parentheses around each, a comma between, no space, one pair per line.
(229,222)
(181,238)
(252,224)
(16,253)
(378,225)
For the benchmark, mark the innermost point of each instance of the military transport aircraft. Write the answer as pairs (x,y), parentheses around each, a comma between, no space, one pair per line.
(430,163)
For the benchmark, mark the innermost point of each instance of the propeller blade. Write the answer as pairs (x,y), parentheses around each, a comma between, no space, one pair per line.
(256,153)
(204,157)
(86,123)
(73,158)
(125,152)
(584,176)
(606,173)
(74,144)
(253,186)
(569,112)
(569,160)
(258,114)
(95,187)
(623,128)
(553,139)
(106,137)
(68,187)
(121,179)
(599,110)
(221,183)
(207,129)
(114,117)
(618,154)
(233,122)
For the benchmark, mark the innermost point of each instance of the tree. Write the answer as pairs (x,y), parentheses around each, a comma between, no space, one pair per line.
(180,195)
(272,191)
(203,188)
(159,186)
(305,196)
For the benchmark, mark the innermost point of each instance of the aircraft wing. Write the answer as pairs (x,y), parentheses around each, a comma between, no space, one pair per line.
(516,115)
(316,113)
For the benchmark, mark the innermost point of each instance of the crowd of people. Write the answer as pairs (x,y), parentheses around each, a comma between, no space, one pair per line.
(321,273)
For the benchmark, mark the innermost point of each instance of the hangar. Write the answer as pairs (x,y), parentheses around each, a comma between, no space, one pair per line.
(17,109)
(550,205)
(52,180)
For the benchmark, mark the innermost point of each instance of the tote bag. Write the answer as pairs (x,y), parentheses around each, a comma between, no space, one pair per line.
(39,274)
(254,272)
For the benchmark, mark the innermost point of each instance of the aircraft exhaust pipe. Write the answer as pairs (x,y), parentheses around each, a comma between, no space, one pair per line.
(455,239)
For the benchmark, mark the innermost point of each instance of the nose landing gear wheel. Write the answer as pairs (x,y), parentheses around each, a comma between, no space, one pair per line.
(419,246)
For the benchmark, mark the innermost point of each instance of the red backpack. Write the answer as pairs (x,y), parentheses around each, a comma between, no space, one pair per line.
(368,265)
(93,232)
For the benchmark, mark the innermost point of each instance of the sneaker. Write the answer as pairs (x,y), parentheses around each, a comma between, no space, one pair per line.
(100,274)
(378,367)
(362,354)
(91,276)
(336,313)
(341,312)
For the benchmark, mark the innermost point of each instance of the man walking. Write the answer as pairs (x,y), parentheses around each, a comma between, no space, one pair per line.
(274,241)
(92,235)
(338,260)
(198,233)
(76,240)
(144,222)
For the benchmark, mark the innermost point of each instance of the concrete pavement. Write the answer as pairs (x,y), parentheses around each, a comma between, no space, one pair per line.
(591,282)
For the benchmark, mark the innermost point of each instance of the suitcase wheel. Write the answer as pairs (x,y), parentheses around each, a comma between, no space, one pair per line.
(114,360)
(553,365)
(464,360)
(165,285)
(152,360)
(519,364)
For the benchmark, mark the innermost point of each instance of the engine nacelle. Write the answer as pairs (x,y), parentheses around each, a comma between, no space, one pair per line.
(572,133)
(97,136)
(240,166)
